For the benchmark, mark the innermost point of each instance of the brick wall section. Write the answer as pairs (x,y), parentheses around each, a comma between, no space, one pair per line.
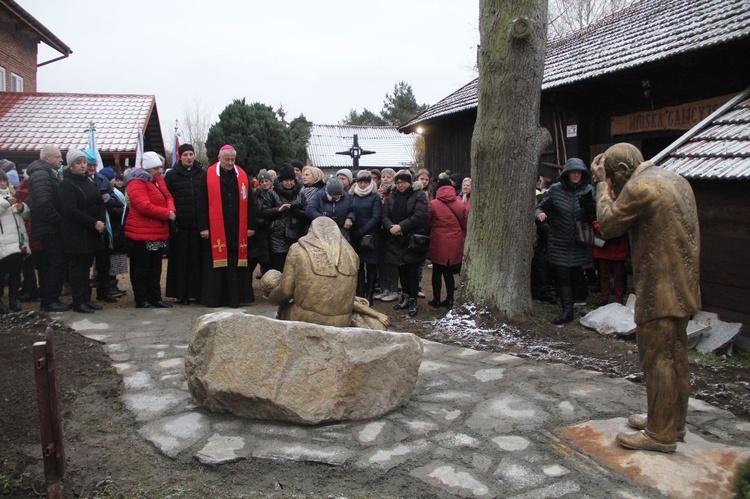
(18,52)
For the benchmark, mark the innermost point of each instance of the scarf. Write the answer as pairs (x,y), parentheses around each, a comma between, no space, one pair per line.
(217,236)
(363,192)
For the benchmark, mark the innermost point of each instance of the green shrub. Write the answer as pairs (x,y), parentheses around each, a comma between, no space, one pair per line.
(741,487)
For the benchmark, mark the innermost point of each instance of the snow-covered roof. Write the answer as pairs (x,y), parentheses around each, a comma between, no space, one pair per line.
(644,32)
(717,147)
(392,149)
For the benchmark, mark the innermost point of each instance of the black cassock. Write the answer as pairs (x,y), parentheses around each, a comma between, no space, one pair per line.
(229,286)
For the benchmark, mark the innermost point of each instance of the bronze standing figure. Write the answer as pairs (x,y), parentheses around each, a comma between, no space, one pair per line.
(657,208)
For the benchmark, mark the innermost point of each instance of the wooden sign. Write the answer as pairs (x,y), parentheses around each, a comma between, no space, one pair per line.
(682,117)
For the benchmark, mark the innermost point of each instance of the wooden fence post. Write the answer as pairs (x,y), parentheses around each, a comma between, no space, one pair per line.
(49,415)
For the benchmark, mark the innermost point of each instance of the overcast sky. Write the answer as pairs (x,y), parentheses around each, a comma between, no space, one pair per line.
(318,58)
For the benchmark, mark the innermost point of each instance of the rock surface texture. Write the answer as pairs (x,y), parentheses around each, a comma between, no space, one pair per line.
(298,372)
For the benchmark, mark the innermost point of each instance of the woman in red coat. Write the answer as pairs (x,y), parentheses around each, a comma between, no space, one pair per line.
(446,221)
(611,259)
(151,209)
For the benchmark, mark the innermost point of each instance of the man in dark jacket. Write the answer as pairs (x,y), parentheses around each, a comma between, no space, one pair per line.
(184,268)
(45,206)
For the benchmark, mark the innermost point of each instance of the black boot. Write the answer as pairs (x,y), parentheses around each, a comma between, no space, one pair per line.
(4,309)
(412,307)
(370,291)
(13,304)
(566,298)
(404,303)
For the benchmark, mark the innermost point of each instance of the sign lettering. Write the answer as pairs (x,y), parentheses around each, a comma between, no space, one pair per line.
(682,117)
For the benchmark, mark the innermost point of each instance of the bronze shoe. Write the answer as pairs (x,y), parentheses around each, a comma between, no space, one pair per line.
(641,441)
(638,421)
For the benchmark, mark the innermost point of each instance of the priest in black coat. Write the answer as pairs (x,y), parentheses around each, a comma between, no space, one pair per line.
(226,222)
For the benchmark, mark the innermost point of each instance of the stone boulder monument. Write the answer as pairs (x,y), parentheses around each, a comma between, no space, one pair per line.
(299,372)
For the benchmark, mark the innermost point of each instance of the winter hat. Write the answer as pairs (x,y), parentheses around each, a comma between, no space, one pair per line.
(150,160)
(443,180)
(375,172)
(403,175)
(264,175)
(90,156)
(184,148)
(287,172)
(334,187)
(297,164)
(73,155)
(108,172)
(7,165)
(364,175)
(345,172)
(457,178)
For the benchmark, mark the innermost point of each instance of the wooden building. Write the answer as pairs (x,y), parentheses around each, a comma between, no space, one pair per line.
(645,75)
(390,148)
(30,120)
(714,156)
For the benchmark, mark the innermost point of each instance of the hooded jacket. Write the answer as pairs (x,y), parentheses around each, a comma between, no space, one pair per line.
(565,203)
(150,204)
(446,220)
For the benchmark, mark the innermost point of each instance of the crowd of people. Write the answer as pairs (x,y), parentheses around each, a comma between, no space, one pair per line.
(85,225)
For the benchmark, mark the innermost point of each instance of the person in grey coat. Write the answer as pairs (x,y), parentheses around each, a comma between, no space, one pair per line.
(568,200)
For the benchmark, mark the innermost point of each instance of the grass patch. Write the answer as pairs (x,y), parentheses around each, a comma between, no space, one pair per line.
(738,359)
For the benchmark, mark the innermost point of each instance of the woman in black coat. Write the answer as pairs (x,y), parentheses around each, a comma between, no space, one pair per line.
(82,213)
(284,212)
(404,216)
(567,201)
(368,209)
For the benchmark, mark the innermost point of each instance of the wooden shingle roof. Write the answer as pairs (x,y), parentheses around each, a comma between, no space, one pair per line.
(644,32)
(717,147)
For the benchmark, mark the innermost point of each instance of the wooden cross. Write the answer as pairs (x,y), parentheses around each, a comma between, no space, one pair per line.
(219,245)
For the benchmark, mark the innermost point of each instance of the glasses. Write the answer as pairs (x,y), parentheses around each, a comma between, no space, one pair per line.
(401,182)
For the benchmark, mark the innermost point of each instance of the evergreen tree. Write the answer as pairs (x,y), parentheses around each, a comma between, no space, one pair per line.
(365,118)
(260,139)
(401,106)
(299,133)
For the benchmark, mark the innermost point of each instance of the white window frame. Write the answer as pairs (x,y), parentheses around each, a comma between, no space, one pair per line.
(2,79)
(14,83)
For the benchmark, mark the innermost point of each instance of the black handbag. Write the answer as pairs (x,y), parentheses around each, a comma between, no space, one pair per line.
(419,243)
(367,243)
(584,233)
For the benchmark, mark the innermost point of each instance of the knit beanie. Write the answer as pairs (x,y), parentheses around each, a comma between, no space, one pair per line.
(150,160)
(264,175)
(90,156)
(184,148)
(297,164)
(345,172)
(72,156)
(334,187)
(7,165)
(287,172)
(108,172)
(403,175)
(443,180)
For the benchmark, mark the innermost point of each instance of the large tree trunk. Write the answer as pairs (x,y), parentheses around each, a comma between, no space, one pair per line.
(505,151)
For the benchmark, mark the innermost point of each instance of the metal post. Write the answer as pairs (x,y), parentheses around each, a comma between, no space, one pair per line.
(49,415)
